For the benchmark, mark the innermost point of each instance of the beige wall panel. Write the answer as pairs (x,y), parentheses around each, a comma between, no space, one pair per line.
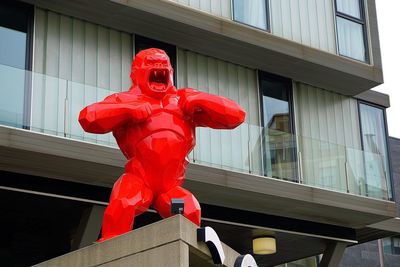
(328,137)
(221,8)
(229,149)
(76,63)
(310,22)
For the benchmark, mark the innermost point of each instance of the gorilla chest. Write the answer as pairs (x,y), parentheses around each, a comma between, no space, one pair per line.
(167,105)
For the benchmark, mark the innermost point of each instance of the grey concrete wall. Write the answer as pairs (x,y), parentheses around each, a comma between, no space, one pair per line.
(170,242)
(392,260)
(363,255)
(394,150)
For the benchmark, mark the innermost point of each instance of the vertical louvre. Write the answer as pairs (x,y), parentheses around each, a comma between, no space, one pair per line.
(328,138)
(81,63)
(221,147)
(309,22)
(221,8)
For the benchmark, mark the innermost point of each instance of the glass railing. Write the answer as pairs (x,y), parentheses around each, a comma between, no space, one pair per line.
(53,105)
(340,168)
(306,262)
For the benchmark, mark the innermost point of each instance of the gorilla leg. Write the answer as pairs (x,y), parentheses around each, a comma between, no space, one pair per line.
(129,198)
(162,204)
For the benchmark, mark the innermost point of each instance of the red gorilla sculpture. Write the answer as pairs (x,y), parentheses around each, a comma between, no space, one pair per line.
(154,125)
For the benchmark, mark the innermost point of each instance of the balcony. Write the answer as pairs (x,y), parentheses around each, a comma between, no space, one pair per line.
(53,106)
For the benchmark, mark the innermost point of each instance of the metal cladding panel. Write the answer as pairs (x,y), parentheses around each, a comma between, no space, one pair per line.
(240,148)
(309,22)
(221,8)
(75,63)
(328,136)
(326,116)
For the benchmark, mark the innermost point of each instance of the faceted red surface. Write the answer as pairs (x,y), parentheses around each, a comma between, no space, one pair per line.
(154,125)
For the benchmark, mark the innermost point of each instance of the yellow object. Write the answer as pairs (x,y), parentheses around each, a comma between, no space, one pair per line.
(264,245)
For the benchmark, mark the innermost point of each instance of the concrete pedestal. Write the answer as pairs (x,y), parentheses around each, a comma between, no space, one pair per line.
(169,243)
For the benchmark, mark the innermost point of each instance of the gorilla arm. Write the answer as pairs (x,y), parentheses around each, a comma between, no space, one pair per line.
(209,110)
(112,112)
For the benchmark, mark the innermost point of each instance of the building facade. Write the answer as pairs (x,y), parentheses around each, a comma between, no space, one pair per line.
(384,252)
(310,166)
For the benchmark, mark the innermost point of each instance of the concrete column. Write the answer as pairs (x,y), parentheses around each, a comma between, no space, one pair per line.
(380,250)
(333,254)
(89,227)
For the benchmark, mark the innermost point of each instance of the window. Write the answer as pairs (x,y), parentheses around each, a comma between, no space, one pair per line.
(391,245)
(351,32)
(253,13)
(396,245)
(15,47)
(375,152)
(279,146)
(142,43)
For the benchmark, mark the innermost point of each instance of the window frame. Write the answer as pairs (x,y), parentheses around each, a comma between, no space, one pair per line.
(28,28)
(391,246)
(288,83)
(361,21)
(390,182)
(395,249)
(268,17)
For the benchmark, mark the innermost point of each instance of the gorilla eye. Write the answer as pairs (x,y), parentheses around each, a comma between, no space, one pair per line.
(151,62)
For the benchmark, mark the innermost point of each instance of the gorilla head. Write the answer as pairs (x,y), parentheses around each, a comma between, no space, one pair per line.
(152,73)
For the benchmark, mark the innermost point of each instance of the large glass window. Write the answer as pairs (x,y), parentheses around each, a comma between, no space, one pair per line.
(351,33)
(350,7)
(15,21)
(376,160)
(279,144)
(253,13)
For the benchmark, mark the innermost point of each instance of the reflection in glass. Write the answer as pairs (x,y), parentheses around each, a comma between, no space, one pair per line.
(278,139)
(12,47)
(253,13)
(373,131)
(349,7)
(12,76)
(270,150)
(351,39)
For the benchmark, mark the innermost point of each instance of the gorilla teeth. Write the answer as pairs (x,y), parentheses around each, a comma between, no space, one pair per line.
(159,76)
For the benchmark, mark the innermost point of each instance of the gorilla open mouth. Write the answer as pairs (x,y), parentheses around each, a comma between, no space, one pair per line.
(159,79)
